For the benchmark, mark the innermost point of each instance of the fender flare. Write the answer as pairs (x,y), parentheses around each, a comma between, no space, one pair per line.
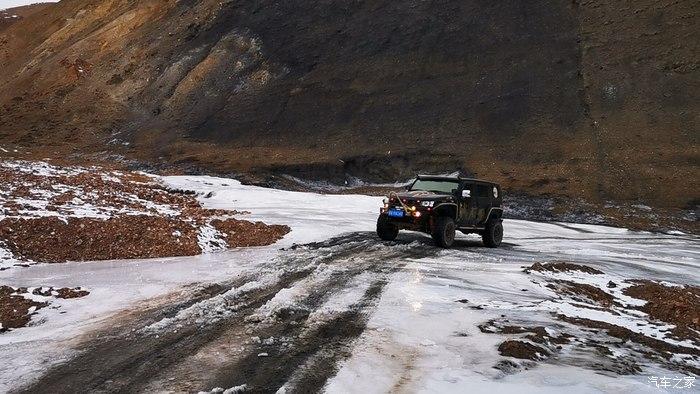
(449,208)
(494,213)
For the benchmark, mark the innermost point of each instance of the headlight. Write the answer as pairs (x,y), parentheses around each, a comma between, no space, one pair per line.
(427,203)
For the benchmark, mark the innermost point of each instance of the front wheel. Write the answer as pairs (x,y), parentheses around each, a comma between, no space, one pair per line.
(386,230)
(493,234)
(444,232)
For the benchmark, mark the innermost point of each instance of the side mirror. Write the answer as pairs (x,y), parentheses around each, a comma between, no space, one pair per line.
(466,193)
(407,187)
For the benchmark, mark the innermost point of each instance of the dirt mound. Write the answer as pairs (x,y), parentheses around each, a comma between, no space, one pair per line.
(244,233)
(561,267)
(77,239)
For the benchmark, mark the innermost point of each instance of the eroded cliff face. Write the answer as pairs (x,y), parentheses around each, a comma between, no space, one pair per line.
(595,99)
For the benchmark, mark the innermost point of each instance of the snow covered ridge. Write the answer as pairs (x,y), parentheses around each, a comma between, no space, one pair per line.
(54,214)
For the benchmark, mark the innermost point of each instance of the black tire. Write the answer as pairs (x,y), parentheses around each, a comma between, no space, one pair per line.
(493,234)
(386,230)
(444,232)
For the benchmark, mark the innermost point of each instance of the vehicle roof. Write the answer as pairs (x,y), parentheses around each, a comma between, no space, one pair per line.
(454,178)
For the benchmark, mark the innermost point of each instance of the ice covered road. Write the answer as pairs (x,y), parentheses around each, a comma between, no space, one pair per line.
(331,308)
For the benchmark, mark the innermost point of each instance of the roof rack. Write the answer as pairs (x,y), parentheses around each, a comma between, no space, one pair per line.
(454,177)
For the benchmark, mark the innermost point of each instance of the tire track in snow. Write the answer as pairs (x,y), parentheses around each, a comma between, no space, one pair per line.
(315,348)
(126,359)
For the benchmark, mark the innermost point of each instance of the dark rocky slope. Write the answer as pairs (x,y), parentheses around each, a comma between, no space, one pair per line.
(591,99)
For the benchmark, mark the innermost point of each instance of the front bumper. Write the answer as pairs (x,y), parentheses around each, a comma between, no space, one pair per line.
(418,220)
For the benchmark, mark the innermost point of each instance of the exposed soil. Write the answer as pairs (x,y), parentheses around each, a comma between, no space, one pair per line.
(57,214)
(561,267)
(52,240)
(582,292)
(63,292)
(537,334)
(13,15)
(660,351)
(244,233)
(14,309)
(678,305)
(558,345)
(524,350)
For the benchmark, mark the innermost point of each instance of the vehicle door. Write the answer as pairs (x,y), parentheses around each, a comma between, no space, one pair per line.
(482,202)
(465,205)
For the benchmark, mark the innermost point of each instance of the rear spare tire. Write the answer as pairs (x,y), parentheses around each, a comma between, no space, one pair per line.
(444,231)
(493,234)
(386,230)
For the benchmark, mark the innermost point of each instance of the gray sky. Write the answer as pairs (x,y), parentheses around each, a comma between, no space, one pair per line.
(14,3)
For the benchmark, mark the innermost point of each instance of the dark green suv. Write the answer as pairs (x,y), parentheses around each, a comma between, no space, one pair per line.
(441,205)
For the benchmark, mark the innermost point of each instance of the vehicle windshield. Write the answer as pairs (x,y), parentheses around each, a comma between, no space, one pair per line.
(437,186)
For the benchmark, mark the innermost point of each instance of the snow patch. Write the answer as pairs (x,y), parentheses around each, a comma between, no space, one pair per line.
(233,390)
(210,240)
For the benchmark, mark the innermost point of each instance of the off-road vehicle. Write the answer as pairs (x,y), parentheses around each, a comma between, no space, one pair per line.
(440,205)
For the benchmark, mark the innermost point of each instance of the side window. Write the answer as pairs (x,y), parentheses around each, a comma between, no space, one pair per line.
(482,191)
(483,195)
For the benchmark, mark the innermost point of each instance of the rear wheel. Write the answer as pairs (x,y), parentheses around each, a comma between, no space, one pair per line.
(385,229)
(493,234)
(444,232)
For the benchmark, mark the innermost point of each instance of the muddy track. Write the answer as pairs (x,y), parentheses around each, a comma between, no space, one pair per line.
(130,358)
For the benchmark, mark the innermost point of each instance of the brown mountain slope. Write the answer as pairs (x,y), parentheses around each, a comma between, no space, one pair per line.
(595,99)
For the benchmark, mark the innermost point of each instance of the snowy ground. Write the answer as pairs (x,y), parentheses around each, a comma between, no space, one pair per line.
(402,316)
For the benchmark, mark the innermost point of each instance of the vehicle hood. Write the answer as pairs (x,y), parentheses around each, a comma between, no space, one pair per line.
(422,195)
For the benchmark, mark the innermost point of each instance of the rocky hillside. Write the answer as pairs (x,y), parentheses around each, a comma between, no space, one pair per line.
(594,99)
